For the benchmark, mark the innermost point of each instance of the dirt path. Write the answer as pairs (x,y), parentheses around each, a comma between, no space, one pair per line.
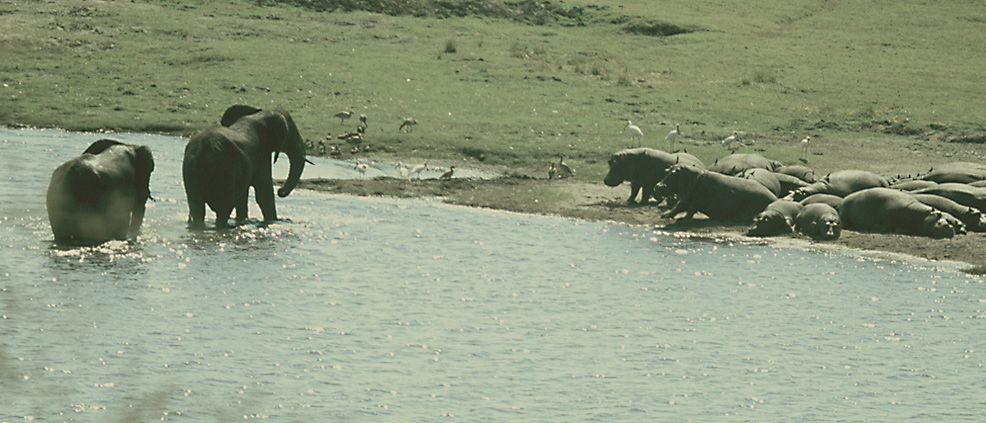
(597,202)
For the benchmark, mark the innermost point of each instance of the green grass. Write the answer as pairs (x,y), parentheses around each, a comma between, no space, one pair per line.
(515,83)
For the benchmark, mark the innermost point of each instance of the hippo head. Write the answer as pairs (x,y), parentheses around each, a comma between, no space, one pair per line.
(769,223)
(977,220)
(937,226)
(829,228)
(618,170)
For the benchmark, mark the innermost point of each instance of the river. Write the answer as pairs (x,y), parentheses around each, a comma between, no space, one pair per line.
(381,309)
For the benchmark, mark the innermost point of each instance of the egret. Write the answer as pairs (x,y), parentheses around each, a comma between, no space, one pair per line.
(409,124)
(732,142)
(402,169)
(805,143)
(672,136)
(447,175)
(361,167)
(343,116)
(417,169)
(564,169)
(635,132)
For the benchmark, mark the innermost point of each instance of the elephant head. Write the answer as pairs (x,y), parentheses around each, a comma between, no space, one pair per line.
(278,134)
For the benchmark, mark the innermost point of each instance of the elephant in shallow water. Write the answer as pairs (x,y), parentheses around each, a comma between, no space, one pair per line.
(223,161)
(100,195)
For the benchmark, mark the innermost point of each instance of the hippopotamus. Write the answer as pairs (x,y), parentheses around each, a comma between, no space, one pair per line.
(964,194)
(716,195)
(788,183)
(833,200)
(913,185)
(960,172)
(644,168)
(803,173)
(973,219)
(842,183)
(889,210)
(819,221)
(735,164)
(776,219)
(765,178)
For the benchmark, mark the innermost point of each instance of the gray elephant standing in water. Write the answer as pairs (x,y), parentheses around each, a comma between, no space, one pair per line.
(100,195)
(223,161)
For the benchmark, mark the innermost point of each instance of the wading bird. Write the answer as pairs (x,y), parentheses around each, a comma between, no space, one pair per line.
(564,169)
(731,142)
(402,169)
(672,137)
(635,132)
(361,167)
(343,116)
(447,175)
(362,121)
(409,124)
(417,169)
(805,143)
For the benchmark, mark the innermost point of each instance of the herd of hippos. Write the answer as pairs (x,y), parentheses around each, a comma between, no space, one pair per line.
(948,200)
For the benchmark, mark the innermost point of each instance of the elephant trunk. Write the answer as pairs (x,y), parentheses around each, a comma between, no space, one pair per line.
(294,147)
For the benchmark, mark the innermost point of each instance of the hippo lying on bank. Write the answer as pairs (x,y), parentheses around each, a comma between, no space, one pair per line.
(716,195)
(819,221)
(973,219)
(765,178)
(964,194)
(803,173)
(776,219)
(959,172)
(842,183)
(735,164)
(889,210)
(644,168)
(833,200)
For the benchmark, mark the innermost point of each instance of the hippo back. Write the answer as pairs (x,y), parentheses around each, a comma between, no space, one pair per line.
(735,164)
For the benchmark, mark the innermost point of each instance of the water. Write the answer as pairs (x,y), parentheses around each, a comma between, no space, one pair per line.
(411,310)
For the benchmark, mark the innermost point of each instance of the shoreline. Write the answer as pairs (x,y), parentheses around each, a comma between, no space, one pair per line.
(596,202)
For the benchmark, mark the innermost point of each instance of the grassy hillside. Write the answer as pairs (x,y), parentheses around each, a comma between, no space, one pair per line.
(517,83)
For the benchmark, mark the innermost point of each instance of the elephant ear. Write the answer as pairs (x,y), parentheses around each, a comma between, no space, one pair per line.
(143,166)
(275,132)
(234,113)
(101,146)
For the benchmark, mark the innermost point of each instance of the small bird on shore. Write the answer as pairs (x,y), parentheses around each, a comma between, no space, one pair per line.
(564,169)
(672,137)
(805,143)
(361,167)
(402,169)
(731,142)
(447,175)
(635,132)
(409,124)
(417,169)
(343,116)
(362,121)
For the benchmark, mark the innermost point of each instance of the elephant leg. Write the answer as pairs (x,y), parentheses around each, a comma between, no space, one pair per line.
(196,210)
(265,198)
(242,209)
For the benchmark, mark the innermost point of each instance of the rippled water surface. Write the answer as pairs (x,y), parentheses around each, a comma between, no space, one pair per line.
(394,310)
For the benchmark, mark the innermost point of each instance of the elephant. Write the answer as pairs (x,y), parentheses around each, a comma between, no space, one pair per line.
(819,221)
(973,219)
(735,164)
(841,183)
(223,161)
(833,200)
(803,173)
(960,172)
(966,195)
(644,168)
(100,195)
(765,178)
(718,196)
(888,210)
(776,219)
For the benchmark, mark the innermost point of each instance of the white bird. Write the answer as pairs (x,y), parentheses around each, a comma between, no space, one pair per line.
(416,170)
(805,143)
(635,132)
(731,142)
(402,169)
(672,137)
(447,175)
(361,167)
(564,169)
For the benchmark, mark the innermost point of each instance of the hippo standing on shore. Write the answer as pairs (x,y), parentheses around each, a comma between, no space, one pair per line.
(842,183)
(716,195)
(735,164)
(776,219)
(889,210)
(819,221)
(644,168)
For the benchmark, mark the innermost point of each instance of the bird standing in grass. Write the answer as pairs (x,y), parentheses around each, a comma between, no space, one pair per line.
(447,175)
(805,143)
(635,132)
(417,169)
(731,142)
(564,170)
(672,137)
(343,116)
(409,124)
(362,121)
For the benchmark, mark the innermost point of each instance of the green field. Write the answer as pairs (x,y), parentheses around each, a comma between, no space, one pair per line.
(516,84)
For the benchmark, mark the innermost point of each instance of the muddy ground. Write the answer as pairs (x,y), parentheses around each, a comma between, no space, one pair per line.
(597,202)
